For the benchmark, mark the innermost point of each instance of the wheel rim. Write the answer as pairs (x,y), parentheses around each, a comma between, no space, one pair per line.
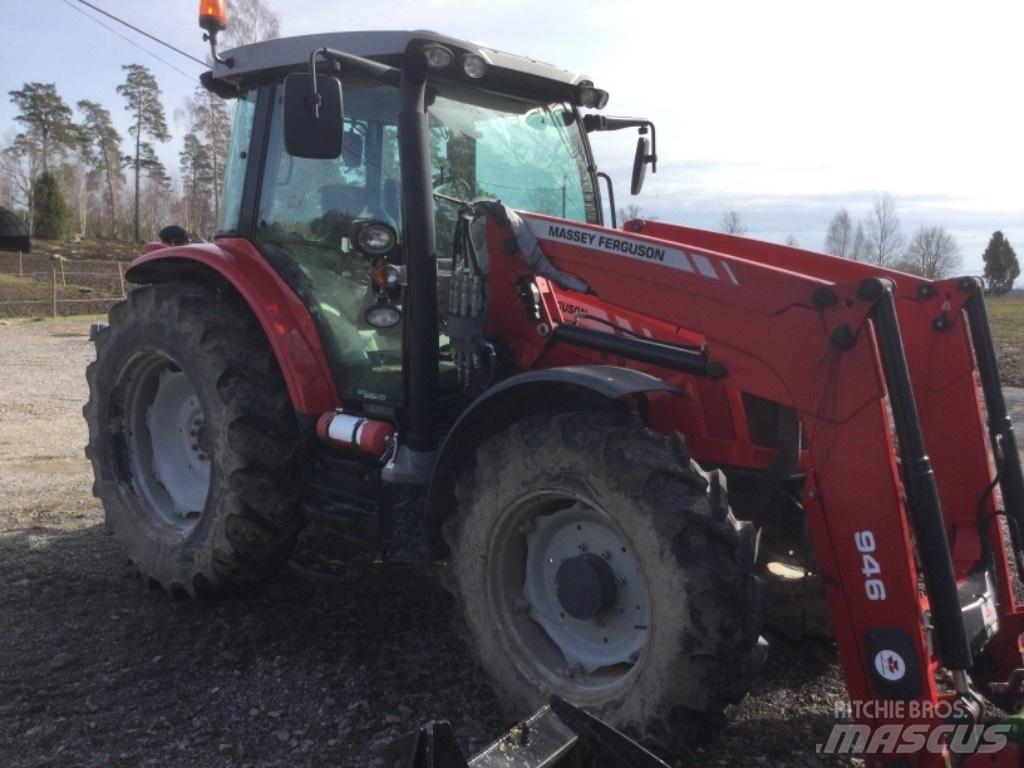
(550,547)
(170,465)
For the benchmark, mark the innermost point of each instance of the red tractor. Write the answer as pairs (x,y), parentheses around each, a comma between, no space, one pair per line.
(415,327)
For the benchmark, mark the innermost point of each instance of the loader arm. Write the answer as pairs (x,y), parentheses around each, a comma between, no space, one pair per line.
(845,345)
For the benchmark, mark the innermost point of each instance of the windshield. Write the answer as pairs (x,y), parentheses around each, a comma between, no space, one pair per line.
(530,156)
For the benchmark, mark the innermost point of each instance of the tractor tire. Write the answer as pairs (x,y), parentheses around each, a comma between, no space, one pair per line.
(675,671)
(195,448)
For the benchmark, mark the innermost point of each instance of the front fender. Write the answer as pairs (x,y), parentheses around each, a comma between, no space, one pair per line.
(283,316)
(569,388)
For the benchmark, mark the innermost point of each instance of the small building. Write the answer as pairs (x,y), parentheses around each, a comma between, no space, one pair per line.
(13,232)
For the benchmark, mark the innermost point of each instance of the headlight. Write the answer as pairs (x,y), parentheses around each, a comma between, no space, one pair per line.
(382,315)
(590,97)
(374,238)
(474,66)
(438,57)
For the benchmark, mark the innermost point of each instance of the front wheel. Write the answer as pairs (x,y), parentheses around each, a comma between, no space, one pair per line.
(594,560)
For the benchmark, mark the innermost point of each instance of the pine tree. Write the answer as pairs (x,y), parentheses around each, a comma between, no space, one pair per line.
(47,120)
(1001,267)
(52,217)
(102,150)
(142,95)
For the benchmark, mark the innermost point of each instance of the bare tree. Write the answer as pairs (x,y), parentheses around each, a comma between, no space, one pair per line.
(859,248)
(839,238)
(792,242)
(20,163)
(884,238)
(732,224)
(250,21)
(933,253)
(634,211)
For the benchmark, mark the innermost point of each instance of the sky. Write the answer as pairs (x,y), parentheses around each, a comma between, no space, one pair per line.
(784,111)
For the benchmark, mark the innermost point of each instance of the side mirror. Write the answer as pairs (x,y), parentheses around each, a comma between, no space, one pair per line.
(640,160)
(313,118)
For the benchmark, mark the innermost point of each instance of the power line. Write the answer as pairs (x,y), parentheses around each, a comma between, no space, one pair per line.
(155,39)
(128,40)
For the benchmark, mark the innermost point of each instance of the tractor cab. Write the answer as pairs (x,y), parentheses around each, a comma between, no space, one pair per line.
(336,226)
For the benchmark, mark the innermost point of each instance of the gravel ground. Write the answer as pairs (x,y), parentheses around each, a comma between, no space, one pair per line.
(98,671)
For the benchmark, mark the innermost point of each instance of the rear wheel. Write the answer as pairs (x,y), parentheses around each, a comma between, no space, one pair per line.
(594,560)
(193,441)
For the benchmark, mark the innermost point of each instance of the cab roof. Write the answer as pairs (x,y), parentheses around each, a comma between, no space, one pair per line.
(250,63)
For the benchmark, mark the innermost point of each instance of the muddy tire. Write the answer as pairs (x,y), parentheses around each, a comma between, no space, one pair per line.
(194,445)
(682,563)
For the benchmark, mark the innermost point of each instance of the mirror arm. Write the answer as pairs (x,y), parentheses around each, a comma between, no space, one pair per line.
(380,72)
(653,157)
(593,123)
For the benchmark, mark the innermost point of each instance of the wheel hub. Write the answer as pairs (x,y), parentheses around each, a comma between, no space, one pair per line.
(584,587)
(175,419)
(170,464)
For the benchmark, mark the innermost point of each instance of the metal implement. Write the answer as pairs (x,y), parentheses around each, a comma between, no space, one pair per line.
(557,734)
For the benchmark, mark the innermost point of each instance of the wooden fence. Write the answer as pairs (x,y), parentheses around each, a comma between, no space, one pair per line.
(34,285)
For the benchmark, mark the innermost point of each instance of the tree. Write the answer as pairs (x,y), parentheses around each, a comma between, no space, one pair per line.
(196,178)
(52,219)
(102,150)
(883,236)
(634,211)
(792,242)
(839,238)
(20,163)
(47,120)
(1001,267)
(933,253)
(859,247)
(732,224)
(142,95)
(210,122)
(250,21)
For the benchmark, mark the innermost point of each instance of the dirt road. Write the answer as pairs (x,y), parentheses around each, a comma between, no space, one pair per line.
(97,671)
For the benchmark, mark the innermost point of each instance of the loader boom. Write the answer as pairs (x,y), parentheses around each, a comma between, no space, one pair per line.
(840,343)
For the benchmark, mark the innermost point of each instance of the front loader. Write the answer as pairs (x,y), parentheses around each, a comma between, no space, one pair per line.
(416,329)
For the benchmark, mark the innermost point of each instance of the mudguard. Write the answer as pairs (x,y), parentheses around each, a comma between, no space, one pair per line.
(283,316)
(569,388)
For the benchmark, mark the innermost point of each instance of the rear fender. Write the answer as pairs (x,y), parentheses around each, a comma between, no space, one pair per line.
(568,388)
(283,316)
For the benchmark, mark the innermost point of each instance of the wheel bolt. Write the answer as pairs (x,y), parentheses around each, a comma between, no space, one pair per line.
(583,547)
(600,621)
(620,581)
(606,555)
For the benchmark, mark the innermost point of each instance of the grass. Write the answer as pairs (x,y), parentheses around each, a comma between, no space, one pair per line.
(1006,316)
